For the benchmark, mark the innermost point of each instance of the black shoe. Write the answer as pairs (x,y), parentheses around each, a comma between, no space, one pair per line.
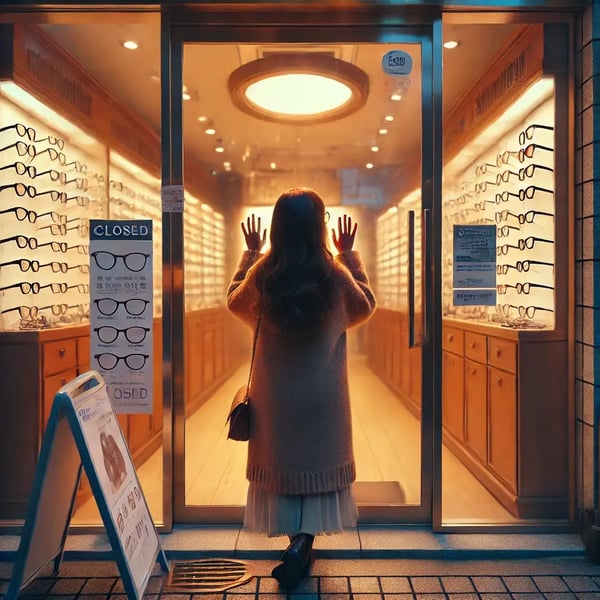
(295,562)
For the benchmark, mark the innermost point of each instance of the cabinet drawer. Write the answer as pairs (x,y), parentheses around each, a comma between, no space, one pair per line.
(502,354)
(502,422)
(453,340)
(59,356)
(83,351)
(475,346)
(51,385)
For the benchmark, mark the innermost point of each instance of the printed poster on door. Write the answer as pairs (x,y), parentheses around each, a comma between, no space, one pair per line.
(474,265)
(121,311)
(118,480)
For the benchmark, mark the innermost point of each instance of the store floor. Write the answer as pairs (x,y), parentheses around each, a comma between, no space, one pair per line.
(387,449)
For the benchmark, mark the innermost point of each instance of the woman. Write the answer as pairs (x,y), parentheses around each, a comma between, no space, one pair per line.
(300,457)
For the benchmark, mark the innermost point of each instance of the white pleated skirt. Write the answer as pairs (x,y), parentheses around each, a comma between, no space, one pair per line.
(317,514)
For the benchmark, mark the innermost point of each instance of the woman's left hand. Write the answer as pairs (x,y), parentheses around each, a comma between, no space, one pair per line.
(251,231)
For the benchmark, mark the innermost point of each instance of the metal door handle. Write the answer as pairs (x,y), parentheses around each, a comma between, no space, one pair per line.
(426,270)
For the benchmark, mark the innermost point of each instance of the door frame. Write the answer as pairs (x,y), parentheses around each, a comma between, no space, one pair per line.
(289,24)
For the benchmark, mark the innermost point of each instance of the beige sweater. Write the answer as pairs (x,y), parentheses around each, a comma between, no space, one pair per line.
(300,430)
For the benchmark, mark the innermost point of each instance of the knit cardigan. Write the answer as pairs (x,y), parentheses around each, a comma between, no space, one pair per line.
(300,426)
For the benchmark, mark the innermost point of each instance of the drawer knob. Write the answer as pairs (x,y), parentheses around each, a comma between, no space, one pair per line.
(472,344)
(473,371)
(62,352)
(498,352)
(499,381)
(450,338)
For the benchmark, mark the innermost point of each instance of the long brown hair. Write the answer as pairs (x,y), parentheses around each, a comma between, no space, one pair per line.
(295,276)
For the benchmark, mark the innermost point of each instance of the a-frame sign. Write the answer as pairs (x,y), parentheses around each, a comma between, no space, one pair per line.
(83,432)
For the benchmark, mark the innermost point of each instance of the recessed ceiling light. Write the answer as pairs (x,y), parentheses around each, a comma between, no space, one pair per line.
(219,147)
(374,148)
(273,165)
(155,77)
(369,165)
(186,96)
(202,119)
(383,131)
(210,131)
(389,118)
(396,97)
(299,87)
(130,44)
(451,44)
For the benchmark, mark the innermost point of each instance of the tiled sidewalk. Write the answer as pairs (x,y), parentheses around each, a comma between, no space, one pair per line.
(555,579)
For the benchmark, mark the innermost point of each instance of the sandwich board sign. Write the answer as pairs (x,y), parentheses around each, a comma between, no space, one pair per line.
(83,433)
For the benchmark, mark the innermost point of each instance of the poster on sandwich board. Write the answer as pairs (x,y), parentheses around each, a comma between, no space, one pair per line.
(83,433)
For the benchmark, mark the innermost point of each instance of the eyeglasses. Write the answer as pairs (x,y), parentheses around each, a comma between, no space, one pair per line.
(134,335)
(81,268)
(22,148)
(530,170)
(21,169)
(22,241)
(524,311)
(55,229)
(25,312)
(22,130)
(55,246)
(55,195)
(482,186)
(82,288)
(20,189)
(504,249)
(529,151)
(504,231)
(81,248)
(522,288)
(482,169)
(529,192)
(82,230)
(56,288)
(81,200)
(53,140)
(527,134)
(530,241)
(504,157)
(54,175)
(24,264)
(504,196)
(24,286)
(134,261)
(56,309)
(522,266)
(79,167)
(133,306)
(57,267)
(108,360)
(54,155)
(523,218)
(21,213)
(80,183)
(505,176)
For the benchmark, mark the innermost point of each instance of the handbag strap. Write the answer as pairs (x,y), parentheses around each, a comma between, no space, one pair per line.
(253,351)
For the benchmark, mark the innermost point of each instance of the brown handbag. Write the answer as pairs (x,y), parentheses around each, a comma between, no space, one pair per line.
(239,413)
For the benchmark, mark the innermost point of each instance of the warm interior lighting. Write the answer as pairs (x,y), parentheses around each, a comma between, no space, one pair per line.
(369,165)
(396,97)
(219,147)
(451,44)
(299,87)
(389,118)
(210,131)
(130,44)
(374,148)
(383,131)
(298,94)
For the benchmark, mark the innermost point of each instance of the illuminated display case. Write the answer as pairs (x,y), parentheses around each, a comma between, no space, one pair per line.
(506,178)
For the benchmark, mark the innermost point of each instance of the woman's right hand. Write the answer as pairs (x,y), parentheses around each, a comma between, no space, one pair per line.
(344,241)
(251,232)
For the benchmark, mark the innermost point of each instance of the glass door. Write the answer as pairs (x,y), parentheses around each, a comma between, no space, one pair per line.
(228,154)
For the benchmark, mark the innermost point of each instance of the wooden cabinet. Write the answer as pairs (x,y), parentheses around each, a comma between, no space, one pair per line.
(514,399)
(215,343)
(391,358)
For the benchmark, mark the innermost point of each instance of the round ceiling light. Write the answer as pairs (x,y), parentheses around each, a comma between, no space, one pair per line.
(299,88)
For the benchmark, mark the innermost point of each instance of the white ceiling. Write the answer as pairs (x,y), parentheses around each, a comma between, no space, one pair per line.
(252,144)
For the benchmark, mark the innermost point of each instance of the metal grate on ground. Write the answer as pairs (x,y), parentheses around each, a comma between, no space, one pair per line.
(207,575)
